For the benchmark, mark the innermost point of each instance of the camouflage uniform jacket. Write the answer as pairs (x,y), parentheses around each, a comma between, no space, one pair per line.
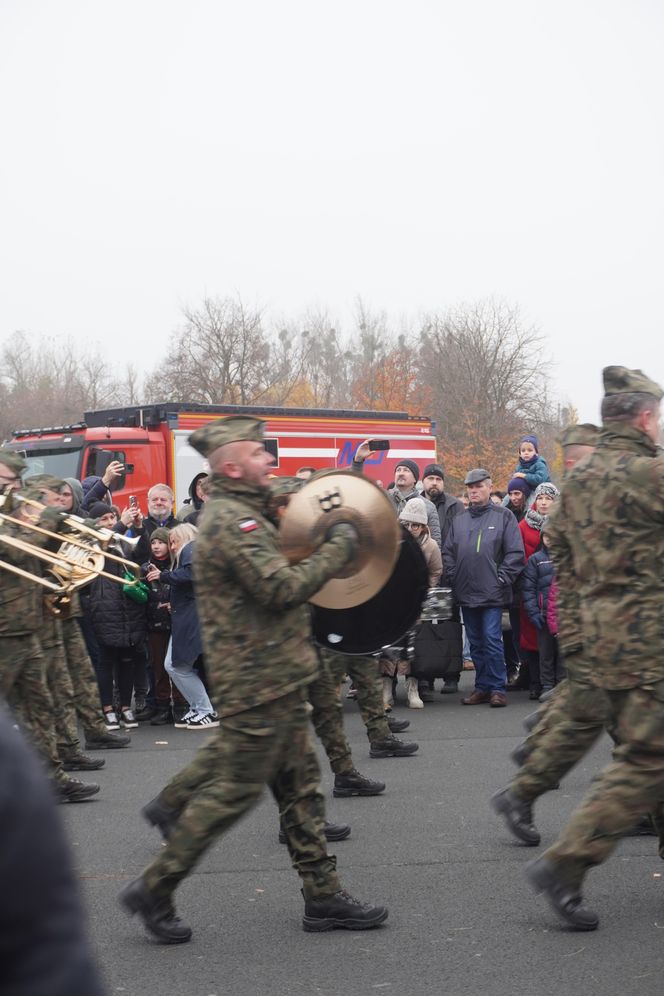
(607,543)
(255,627)
(22,600)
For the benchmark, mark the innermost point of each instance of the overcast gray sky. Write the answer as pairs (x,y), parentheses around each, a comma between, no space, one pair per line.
(302,153)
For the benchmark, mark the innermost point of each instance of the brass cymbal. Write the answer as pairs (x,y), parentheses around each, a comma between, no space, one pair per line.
(342,496)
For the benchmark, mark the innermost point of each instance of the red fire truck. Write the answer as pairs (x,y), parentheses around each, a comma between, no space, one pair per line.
(151,441)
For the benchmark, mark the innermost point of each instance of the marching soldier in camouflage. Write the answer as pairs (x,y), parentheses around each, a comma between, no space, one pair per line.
(363,672)
(327,715)
(22,663)
(259,660)
(572,719)
(71,676)
(607,540)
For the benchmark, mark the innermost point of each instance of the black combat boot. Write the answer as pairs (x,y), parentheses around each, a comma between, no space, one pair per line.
(563,898)
(520,754)
(353,783)
(79,762)
(531,720)
(397,725)
(341,912)
(392,747)
(74,791)
(518,816)
(332,831)
(158,915)
(159,815)
(103,740)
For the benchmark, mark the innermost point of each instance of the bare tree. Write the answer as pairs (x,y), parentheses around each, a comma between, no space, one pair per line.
(223,355)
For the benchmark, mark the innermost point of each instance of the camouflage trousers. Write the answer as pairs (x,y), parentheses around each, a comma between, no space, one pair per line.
(631,786)
(269,745)
(327,715)
(576,716)
(71,682)
(23,683)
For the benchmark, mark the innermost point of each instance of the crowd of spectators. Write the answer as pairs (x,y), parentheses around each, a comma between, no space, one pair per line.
(487,546)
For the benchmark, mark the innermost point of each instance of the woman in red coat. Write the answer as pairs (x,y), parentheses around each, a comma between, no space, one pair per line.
(531,532)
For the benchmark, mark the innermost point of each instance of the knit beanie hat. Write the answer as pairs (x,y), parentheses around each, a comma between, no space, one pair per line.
(411,466)
(546,488)
(414,511)
(99,508)
(519,484)
(160,533)
(530,439)
(435,469)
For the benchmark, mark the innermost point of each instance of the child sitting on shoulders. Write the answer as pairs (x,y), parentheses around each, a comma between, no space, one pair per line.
(531,466)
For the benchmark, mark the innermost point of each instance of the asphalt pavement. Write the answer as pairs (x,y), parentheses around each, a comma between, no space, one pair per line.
(463,921)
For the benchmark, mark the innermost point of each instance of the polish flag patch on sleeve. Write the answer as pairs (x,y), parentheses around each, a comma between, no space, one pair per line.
(248,525)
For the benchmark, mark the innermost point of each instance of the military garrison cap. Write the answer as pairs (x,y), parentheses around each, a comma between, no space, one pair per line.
(477,476)
(13,461)
(621,380)
(582,434)
(233,429)
(48,481)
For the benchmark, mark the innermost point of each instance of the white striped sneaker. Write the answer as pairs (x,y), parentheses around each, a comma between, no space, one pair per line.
(203,721)
(182,724)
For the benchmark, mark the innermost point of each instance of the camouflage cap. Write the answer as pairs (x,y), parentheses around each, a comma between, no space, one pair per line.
(285,486)
(621,380)
(13,461)
(232,429)
(477,475)
(45,482)
(582,434)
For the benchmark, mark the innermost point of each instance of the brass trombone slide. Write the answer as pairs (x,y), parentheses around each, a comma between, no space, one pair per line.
(68,539)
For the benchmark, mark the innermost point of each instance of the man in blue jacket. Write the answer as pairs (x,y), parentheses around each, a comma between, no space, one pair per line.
(483,557)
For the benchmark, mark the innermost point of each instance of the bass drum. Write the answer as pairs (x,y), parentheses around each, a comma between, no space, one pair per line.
(385,618)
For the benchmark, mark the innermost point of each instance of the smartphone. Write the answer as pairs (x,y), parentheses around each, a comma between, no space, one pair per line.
(379,444)
(133,501)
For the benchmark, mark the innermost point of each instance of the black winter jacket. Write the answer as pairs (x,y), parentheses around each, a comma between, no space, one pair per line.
(448,507)
(535,585)
(159,618)
(483,556)
(118,621)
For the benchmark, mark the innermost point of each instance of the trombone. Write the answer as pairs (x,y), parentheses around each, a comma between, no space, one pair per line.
(86,558)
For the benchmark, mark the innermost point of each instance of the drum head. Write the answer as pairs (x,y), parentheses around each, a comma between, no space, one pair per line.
(385,618)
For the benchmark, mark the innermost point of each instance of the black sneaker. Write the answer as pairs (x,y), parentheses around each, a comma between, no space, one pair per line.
(341,912)
(450,688)
(158,915)
(203,721)
(111,720)
(79,762)
(159,815)
(74,791)
(518,815)
(425,693)
(563,898)
(128,720)
(397,725)
(163,717)
(98,740)
(353,783)
(145,714)
(332,831)
(392,747)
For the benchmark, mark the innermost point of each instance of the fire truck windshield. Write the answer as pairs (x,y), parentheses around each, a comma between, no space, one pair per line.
(58,462)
